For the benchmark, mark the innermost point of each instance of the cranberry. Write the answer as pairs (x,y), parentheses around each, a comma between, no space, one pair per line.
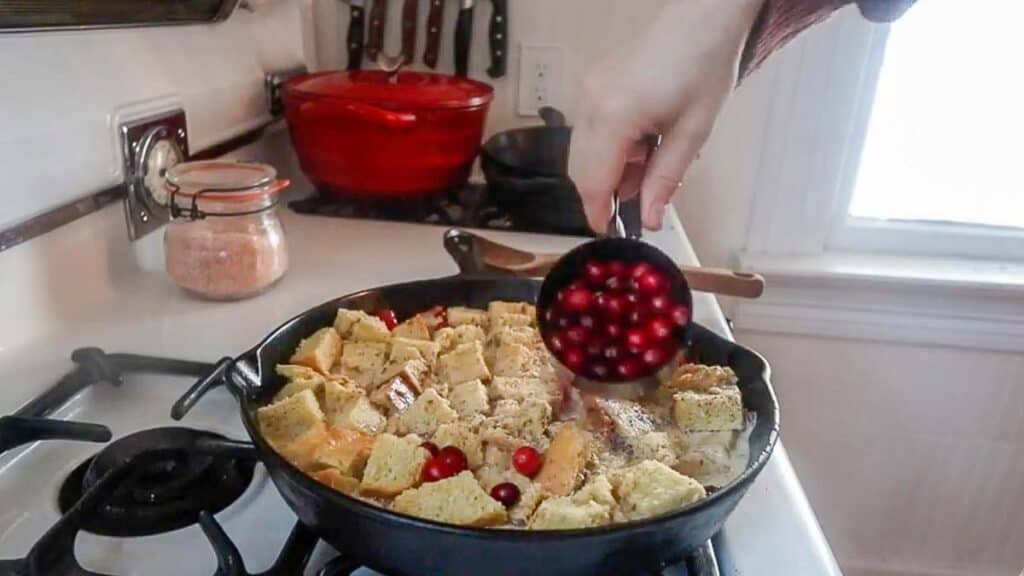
(587,321)
(595,273)
(563,322)
(454,459)
(599,371)
(526,460)
(629,368)
(550,316)
(660,328)
(577,299)
(614,352)
(616,268)
(613,330)
(651,283)
(388,317)
(660,304)
(556,343)
(638,315)
(435,470)
(617,283)
(507,493)
(636,339)
(431,447)
(639,269)
(656,356)
(573,358)
(615,306)
(680,315)
(577,335)
(595,347)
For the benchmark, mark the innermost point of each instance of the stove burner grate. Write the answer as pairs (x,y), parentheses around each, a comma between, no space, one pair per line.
(187,472)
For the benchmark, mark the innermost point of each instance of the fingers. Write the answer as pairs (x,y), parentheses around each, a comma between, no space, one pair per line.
(596,159)
(669,163)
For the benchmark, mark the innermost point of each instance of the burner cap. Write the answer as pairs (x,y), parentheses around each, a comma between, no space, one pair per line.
(169,491)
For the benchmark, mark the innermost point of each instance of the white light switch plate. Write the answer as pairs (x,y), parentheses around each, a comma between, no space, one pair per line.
(541,77)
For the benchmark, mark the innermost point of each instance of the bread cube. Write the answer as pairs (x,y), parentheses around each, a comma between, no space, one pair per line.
(457,500)
(427,349)
(284,421)
(464,363)
(469,398)
(630,418)
(394,465)
(654,446)
(509,322)
(297,372)
(462,316)
(370,329)
(462,436)
(395,396)
(359,414)
(337,480)
(315,385)
(564,514)
(301,451)
(564,460)
(414,328)
(319,351)
(709,410)
(708,457)
(345,451)
(651,488)
(519,389)
(514,422)
(530,497)
(337,395)
(346,319)
(499,308)
(597,489)
(403,353)
(428,412)
(363,361)
(695,377)
(414,372)
(451,337)
(516,361)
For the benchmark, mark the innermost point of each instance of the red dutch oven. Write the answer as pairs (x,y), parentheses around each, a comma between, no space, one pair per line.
(366,133)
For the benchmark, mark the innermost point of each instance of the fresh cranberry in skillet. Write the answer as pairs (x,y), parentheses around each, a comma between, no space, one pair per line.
(434,470)
(431,447)
(527,461)
(454,459)
(660,328)
(507,493)
(388,317)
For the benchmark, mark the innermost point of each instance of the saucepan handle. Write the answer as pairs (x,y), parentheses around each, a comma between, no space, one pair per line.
(326,109)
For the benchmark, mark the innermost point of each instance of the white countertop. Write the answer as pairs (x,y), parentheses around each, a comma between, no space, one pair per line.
(772,531)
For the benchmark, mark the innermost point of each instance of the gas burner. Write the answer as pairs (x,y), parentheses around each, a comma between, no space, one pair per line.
(186,472)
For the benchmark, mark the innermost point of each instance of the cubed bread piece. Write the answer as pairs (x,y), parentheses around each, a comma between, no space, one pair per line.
(522,335)
(284,421)
(319,351)
(565,514)
(427,349)
(464,363)
(509,322)
(337,480)
(451,337)
(346,319)
(462,316)
(630,418)
(530,497)
(344,450)
(469,398)
(597,489)
(315,385)
(338,392)
(654,446)
(695,377)
(519,389)
(457,500)
(359,414)
(394,465)
(709,410)
(428,412)
(499,308)
(301,451)
(522,421)
(414,328)
(564,460)
(650,488)
(395,396)
(462,436)
(515,361)
(297,372)
(414,373)
(713,458)
(370,329)
(363,361)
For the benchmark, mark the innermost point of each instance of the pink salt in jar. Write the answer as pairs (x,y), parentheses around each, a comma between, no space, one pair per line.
(225,241)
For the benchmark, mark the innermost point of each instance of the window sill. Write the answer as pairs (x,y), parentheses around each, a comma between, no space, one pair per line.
(947,302)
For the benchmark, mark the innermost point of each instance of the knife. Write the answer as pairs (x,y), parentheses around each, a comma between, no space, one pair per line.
(378,20)
(435,19)
(463,37)
(498,37)
(410,10)
(354,37)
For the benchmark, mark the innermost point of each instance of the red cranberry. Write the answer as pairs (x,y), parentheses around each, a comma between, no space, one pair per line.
(431,447)
(617,283)
(550,316)
(660,328)
(629,368)
(526,460)
(613,330)
(599,371)
(388,317)
(435,470)
(651,283)
(595,273)
(614,352)
(587,321)
(636,339)
(577,335)
(638,315)
(660,304)
(556,343)
(615,306)
(563,322)
(573,358)
(639,269)
(454,459)
(595,347)
(656,356)
(680,315)
(616,267)
(507,493)
(577,299)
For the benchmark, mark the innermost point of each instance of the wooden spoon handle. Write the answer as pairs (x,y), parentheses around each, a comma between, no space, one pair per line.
(724,282)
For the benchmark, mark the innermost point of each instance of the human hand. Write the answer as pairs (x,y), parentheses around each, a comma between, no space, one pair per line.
(673,81)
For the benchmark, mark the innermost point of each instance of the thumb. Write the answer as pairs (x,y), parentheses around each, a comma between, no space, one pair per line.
(667,167)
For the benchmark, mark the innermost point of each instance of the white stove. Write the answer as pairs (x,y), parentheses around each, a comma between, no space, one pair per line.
(773,531)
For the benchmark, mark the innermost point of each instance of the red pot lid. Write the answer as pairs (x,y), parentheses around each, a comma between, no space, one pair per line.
(403,91)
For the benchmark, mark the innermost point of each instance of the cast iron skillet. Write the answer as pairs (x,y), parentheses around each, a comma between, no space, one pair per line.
(401,545)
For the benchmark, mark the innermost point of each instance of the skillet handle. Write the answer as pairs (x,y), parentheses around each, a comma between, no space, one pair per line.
(702,562)
(467,255)
(216,377)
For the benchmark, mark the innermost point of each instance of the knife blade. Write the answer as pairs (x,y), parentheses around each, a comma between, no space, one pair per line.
(463,37)
(435,20)
(410,10)
(354,36)
(378,20)
(498,36)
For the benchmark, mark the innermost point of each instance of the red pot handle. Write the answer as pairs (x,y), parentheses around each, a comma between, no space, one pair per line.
(334,110)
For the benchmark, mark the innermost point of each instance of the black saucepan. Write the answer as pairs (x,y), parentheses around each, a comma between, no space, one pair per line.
(405,546)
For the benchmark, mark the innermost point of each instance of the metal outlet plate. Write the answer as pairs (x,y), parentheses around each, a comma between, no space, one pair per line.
(149,146)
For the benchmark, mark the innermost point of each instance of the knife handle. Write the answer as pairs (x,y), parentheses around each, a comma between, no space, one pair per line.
(498,37)
(435,19)
(463,36)
(354,38)
(410,10)
(378,20)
